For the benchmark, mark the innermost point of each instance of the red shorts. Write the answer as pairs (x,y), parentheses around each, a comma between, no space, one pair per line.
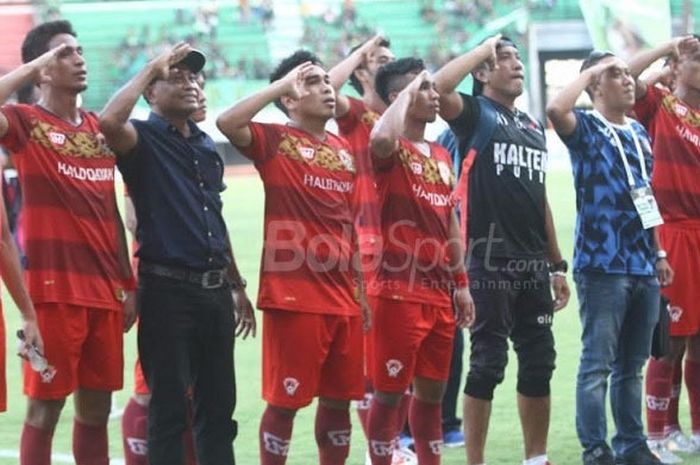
(140,386)
(307,355)
(84,349)
(410,339)
(3,384)
(683,247)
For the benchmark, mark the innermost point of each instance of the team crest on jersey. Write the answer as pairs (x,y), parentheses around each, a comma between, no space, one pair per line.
(393,367)
(681,110)
(57,138)
(675,312)
(422,166)
(291,385)
(417,168)
(369,118)
(346,160)
(307,152)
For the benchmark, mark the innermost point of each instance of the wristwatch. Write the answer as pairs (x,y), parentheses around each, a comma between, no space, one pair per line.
(661,254)
(560,267)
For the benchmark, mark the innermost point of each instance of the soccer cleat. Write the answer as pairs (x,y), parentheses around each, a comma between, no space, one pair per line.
(453,438)
(601,455)
(658,448)
(639,456)
(679,442)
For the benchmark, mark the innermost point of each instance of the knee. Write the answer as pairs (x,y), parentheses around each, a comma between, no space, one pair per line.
(486,371)
(390,399)
(92,407)
(334,404)
(44,414)
(428,390)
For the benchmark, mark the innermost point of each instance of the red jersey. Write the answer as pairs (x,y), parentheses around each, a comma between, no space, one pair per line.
(355,126)
(416,210)
(674,128)
(307,251)
(69,212)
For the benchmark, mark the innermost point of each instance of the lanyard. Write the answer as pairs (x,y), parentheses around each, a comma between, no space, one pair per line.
(621,150)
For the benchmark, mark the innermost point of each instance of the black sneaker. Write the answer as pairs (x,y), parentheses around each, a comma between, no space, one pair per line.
(601,455)
(639,456)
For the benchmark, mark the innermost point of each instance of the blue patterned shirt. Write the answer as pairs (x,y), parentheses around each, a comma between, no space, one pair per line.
(609,233)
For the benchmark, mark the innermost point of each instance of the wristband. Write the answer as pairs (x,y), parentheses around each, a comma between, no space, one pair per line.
(461,280)
(557,273)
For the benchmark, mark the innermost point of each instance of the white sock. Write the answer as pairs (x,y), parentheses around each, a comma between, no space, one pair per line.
(539,460)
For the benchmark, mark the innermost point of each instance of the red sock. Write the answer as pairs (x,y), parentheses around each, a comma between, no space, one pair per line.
(426,427)
(188,440)
(90,444)
(275,435)
(658,386)
(35,446)
(692,384)
(332,435)
(134,433)
(672,423)
(382,426)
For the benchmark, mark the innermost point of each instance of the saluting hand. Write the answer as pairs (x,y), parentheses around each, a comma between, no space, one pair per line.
(42,62)
(294,81)
(491,44)
(162,63)
(414,86)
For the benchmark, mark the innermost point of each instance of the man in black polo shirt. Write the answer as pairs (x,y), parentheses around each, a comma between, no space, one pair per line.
(511,242)
(189,284)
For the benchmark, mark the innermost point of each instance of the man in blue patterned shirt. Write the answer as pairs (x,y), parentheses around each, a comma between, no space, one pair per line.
(615,267)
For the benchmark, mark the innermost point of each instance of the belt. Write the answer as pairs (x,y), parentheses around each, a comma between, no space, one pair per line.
(210,279)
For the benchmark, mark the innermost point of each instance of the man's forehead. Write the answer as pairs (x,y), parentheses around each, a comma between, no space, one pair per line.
(60,39)
(316,71)
(617,62)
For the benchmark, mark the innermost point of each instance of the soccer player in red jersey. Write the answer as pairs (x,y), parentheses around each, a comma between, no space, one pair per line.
(78,272)
(673,122)
(422,261)
(312,331)
(11,272)
(355,119)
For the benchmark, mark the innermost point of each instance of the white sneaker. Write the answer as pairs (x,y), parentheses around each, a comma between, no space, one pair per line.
(404,457)
(659,450)
(679,442)
(400,457)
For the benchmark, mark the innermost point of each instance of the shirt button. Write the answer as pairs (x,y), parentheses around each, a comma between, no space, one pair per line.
(211,259)
(196,162)
(201,184)
(209,233)
(206,208)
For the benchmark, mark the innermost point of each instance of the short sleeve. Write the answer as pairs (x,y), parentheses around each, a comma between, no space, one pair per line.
(577,139)
(464,125)
(18,128)
(646,107)
(349,121)
(265,142)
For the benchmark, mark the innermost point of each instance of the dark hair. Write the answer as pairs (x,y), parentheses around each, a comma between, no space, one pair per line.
(288,64)
(389,76)
(354,82)
(478,86)
(591,60)
(36,42)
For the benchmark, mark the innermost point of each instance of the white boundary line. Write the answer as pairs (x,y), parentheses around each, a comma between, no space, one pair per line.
(55,458)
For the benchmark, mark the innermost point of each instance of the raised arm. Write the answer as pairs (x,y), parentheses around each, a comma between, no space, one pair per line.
(114,119)
(561,109)
(643,60)
(28,72)
(341,72)
(384,139)
(12,277)
(233,123)
(449,76)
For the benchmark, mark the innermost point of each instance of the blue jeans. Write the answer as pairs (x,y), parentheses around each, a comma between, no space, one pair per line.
(618,314)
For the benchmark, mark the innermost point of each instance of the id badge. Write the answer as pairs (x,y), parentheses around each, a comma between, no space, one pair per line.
(646,206)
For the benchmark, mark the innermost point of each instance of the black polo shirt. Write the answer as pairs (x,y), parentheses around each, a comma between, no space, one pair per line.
(175,184)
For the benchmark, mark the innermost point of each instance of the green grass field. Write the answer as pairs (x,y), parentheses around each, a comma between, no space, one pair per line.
(243,212)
